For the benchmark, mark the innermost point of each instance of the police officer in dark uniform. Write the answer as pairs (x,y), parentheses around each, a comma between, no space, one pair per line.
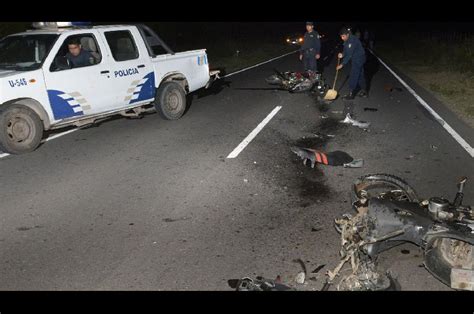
(310,50)
(355,53)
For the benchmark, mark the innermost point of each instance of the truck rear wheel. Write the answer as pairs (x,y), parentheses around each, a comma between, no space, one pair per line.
(170,101)
(21,129)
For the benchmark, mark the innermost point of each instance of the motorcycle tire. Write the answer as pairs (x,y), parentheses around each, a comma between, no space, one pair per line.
(388,183)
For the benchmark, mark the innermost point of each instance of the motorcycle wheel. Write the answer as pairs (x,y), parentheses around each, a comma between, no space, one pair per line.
(384,186)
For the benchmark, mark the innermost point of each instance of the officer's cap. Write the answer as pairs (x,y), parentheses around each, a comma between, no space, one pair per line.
(344,31)
(310,23)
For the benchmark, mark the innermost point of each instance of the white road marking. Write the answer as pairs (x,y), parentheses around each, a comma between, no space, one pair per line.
(254,133)
(438,118)
(59,135)
(48,139)
(257,65)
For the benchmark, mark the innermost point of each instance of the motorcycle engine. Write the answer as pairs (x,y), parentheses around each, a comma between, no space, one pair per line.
(439,209)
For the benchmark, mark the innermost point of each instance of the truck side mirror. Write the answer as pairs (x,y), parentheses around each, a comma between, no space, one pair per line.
(60,63)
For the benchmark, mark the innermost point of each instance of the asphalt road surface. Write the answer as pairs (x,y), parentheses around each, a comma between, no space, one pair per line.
(148,204)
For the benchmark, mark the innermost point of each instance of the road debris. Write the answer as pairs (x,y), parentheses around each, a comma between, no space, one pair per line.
(324,136)
(326,286)
(359,124)
(301,263)
(336,158)
(370,109)
(390,88)
(318,269)
(356,163)
(433,148)
(462,279)
(176,219)
(300,278)
(258,284)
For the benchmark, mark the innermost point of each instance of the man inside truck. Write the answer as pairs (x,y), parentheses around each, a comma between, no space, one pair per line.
(78,56)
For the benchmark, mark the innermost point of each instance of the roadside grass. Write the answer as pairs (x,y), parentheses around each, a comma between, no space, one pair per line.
(446,70)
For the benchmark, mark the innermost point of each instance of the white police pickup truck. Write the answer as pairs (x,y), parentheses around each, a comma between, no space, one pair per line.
(131,71)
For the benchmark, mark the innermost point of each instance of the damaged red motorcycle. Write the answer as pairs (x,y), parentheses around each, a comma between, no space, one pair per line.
(299,82)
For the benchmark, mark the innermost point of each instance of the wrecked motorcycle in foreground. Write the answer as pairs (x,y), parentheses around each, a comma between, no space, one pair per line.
(298,82)
(389,213)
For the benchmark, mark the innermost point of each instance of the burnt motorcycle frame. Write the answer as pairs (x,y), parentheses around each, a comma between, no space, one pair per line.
(392,222)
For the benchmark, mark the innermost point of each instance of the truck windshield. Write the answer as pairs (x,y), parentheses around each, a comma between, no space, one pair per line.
(25,52)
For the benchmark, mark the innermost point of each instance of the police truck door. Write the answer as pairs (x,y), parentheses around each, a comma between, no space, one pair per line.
(78,90)
(131,69)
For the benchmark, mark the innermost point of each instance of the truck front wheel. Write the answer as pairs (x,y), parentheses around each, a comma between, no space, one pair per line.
(21,129)
(170,101)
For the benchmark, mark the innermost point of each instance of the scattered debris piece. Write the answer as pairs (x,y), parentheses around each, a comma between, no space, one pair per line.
(259,284)
(462,279)
(177,219)
(302,264)
(246,181)
(356,163)
(390,88)
(316,229)
(370,109)
(405,251)
(360,124)
(434,148)
(326,286)
(318,269)
(300,278)
(324,136)
(336,112)
(336,158)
